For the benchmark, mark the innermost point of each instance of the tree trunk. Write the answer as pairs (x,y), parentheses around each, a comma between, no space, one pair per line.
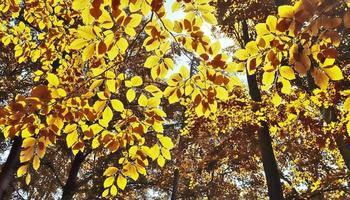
(329,115)
(70,187)
(268,158)
(175,184)
(342,141)
(10,165)
(344,148)
(281,2)
(269,162)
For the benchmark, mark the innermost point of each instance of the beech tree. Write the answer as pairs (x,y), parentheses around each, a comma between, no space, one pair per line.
(101,83)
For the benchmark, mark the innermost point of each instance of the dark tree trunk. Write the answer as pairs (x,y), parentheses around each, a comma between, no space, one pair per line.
(281,2)
(175,184)
(70,187)
(269,162)
(341,140)
(343,145)
(10,165)
(329,115)
(268,157)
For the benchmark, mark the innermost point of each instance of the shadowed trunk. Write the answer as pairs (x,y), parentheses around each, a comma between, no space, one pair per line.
(70,187)
(175,184)
(273,180)
(281,2)
(343,145)
(329,115)
(10,165)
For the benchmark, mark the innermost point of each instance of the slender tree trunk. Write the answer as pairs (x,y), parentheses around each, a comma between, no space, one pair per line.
(329,115)
(281,2)
(70,187)
(344,148)
(175,184)
(343,143)
(273,180)
(10,165)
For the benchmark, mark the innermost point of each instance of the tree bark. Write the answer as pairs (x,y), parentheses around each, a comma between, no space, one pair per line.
(71,184)
(175,184)
(10,165)
(273,180)
(344,148)
(281,2)
(329,115)
(342,142)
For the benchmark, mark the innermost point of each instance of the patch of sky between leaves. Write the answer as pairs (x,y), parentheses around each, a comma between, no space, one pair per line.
(206,28)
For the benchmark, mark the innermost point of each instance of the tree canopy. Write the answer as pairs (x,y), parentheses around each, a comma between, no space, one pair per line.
(179,99)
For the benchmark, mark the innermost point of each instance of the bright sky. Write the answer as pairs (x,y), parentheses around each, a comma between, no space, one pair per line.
(206,28)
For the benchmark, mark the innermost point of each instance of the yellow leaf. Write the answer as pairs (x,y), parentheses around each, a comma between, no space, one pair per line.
(117,105)
(166,153)
(175,7)
(88,52)
(130,95)
(161,161)
(142,100)
(153,102)
(121,181)
(108,182)
(99,105)
(166,142)
(136,81)
(96,128)
(334,73)
(151,61)
(287,87)
(72,138)
(70,127)
(113,52)
(135,20)
(276,100)
(36,162)
(268,78)
(271,22)
(111,85)
(131,171)
(133,151)
(114,190)
(261,29)
(77,4)
(53,79)
(107,116)
(61,92)
(210,18)
(252,48)
(22,170)
(28,142)
(287,72)
(105,193)
(241,54)
(28,178)
(154,151)
(184,72)
(158,127)
(286,11)
(122,44)
(110,171)
(86,32)
(347,104)
(221,93)
(78,44)
(95,143)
